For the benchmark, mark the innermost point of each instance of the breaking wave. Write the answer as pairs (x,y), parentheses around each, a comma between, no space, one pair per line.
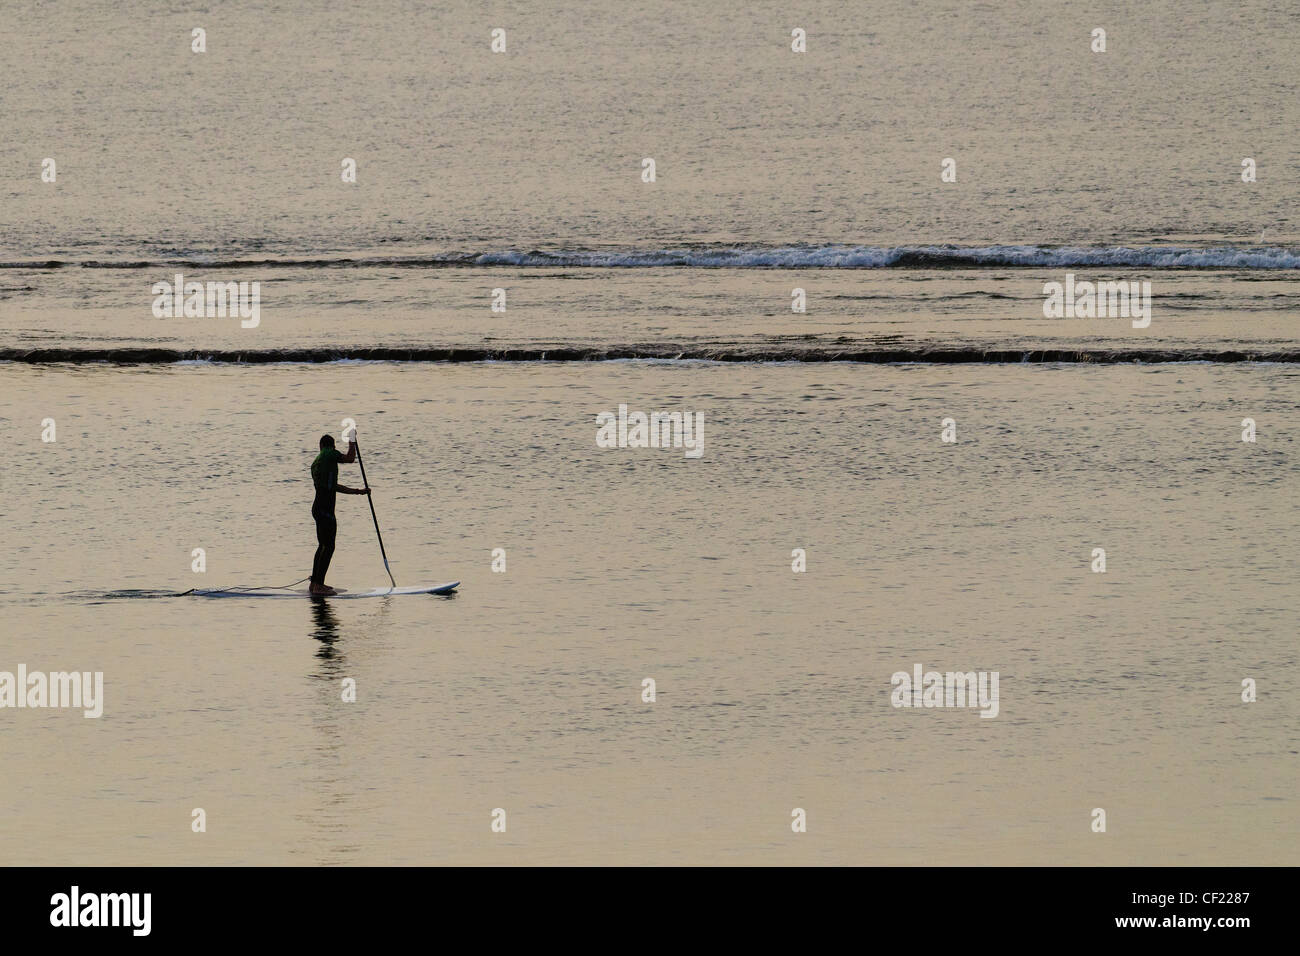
(755,257)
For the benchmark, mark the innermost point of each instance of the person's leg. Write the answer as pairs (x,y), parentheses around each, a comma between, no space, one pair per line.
(326,527)
(320,549)
(331,528)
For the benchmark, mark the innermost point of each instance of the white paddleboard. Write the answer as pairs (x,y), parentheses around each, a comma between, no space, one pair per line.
(342,593)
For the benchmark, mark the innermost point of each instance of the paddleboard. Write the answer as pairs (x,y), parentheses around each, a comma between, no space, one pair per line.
(342,592)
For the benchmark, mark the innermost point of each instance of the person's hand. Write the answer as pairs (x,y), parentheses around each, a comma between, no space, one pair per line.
(365,491)
(350,435)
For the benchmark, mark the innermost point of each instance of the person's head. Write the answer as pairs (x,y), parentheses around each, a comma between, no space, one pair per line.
(327,441)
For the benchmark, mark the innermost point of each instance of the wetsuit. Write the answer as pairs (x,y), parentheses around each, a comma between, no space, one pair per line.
(325,476)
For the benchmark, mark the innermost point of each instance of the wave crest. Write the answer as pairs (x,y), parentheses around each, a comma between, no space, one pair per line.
(761,257)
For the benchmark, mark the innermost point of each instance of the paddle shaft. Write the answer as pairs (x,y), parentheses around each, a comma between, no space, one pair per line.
(371,499)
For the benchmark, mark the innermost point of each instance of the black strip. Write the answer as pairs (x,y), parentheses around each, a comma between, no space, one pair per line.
(903,910)
(938,356)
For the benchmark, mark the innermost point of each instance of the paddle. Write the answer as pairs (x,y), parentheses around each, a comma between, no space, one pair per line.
(371,499)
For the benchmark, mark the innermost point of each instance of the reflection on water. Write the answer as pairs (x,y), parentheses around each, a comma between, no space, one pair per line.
(332,793)
(326,627)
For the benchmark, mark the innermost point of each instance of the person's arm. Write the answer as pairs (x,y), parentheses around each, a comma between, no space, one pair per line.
(348,459)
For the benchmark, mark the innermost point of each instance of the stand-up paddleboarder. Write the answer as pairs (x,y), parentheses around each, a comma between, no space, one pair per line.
(325,476)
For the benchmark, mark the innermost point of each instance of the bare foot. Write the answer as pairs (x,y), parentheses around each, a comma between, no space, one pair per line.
(321,589)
